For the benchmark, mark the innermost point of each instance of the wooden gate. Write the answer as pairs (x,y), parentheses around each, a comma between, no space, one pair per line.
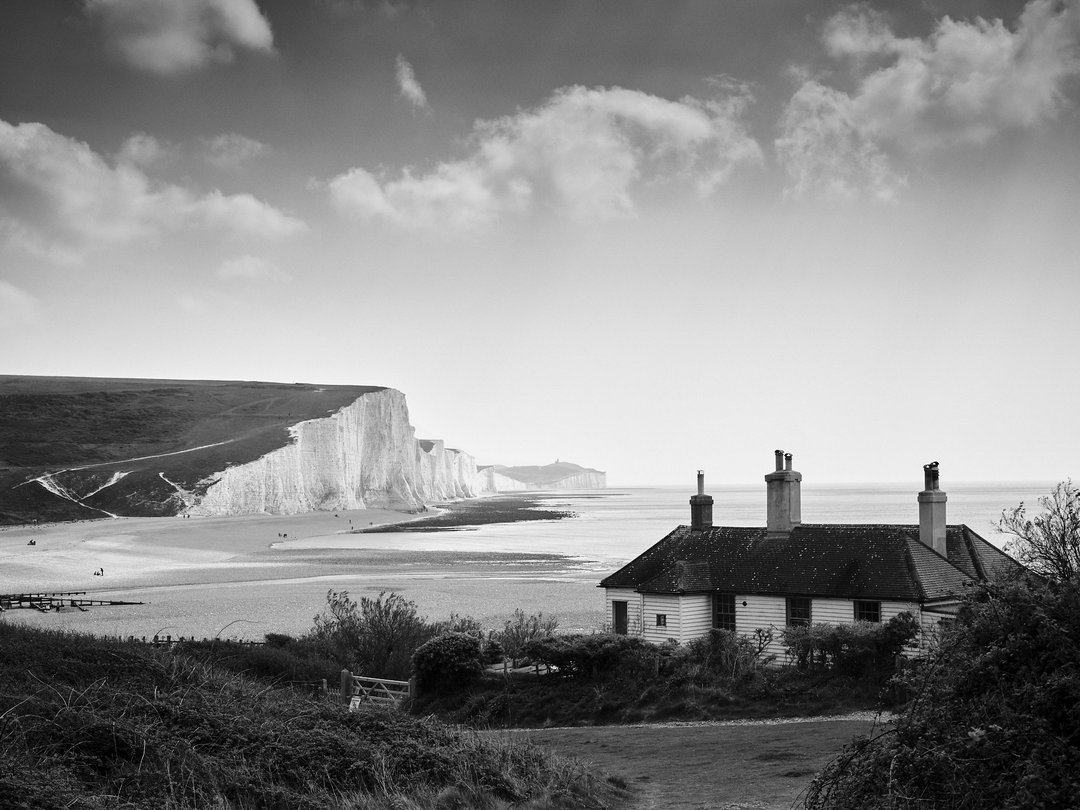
(357,690)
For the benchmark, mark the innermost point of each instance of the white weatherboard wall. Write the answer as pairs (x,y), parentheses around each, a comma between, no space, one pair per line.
(695,618)
(633,608)
(363,455)
(762,612)
(667,604)
(842,611)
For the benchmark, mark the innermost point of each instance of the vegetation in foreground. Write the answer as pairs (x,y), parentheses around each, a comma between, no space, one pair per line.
(995,717)
(994,721)
(91,723)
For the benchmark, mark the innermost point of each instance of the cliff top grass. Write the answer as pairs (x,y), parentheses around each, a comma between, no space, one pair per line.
(54,423)
(49,422)
(91,723)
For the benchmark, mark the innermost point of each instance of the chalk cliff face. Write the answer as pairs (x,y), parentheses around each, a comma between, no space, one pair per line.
(364,455)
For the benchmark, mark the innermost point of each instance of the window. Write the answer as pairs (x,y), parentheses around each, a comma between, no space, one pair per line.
(619,619)
(661,620)
(798,610)
(867,611)
(724,611)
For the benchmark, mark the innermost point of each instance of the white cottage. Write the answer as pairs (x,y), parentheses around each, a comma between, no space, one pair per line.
(788,573)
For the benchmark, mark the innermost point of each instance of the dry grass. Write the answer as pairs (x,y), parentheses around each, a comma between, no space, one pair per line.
(86,723)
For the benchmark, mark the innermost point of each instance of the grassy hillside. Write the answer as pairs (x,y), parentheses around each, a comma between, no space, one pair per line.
(49,424)
(87,723)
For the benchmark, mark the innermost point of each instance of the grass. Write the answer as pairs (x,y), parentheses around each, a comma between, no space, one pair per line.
(53,423)
(91,723)
(526,701)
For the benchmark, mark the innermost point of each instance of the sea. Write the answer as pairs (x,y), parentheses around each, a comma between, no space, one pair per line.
(607,529)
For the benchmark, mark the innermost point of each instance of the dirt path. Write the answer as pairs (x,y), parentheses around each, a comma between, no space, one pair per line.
(709,766)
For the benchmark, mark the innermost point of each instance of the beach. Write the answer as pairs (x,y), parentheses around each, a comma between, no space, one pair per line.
(245,576)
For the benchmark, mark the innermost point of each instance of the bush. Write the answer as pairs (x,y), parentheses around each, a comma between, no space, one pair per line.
(726,654)
(522,629)
(596,657)
(282,658)
(996,718)
(375,637)
(448,663)
(850,649)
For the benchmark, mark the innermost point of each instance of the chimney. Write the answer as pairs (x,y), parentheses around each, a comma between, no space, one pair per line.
(932,511)
(783,492)
(700,506)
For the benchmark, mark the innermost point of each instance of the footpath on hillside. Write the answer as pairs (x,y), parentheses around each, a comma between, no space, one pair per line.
(711,765)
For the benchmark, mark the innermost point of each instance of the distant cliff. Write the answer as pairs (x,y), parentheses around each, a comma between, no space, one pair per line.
(560,475)
(365,455)
(73,448)
(77,448)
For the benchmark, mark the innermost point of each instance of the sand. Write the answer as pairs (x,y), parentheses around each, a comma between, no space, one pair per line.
(140,552)
(244,576)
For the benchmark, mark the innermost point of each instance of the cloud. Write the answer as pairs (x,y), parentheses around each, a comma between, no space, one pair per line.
(826,151)
(58,198)
(17,307)
(232,150)
(145,150)
(410,88)
(963,85)
(176,36)
(581,153)
(251,268)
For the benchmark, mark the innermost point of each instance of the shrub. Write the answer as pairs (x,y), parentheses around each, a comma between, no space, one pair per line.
(850,649)
(595,657)
(375,637)
(447,663)
(522,629)
(726,654)
(996,717)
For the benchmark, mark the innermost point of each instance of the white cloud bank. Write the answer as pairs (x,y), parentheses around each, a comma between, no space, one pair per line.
(232,150)
(58,198)
(410,88)
(581,153)
(176,36)
(964,84)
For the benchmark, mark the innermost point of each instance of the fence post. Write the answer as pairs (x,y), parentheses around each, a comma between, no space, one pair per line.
(346,688)
(412,686)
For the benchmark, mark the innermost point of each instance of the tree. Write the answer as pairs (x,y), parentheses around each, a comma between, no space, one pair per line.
(1048,544)
(517,632)
(376,637)
(448,663)
(994,721)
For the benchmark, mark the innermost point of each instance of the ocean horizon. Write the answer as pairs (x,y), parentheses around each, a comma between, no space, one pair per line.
(608,528)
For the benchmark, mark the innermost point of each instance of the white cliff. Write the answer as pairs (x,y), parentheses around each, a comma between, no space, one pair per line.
(364,455)
(560,475)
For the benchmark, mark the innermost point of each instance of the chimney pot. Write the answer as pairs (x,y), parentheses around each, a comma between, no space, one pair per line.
(700,506)
(932,527)
(784,507)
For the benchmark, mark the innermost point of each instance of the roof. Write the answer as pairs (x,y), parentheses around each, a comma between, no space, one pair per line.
(851,561)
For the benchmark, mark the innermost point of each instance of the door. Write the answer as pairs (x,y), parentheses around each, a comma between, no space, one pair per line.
(618,619)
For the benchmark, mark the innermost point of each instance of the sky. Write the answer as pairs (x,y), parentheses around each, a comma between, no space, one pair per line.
(646,237)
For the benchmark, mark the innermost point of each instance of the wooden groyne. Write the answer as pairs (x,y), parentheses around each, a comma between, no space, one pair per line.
(55,601)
